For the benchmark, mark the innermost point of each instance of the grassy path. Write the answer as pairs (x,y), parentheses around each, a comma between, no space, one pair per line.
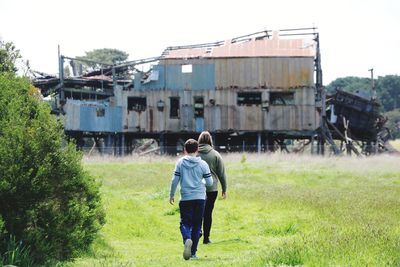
(280,210)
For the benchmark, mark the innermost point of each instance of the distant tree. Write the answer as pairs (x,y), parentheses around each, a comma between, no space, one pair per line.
(388,90)
(8,57)
(393,122)
(351,84)
(105,55)
(67,72)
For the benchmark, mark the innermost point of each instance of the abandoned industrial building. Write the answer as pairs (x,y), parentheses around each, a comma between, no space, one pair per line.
(252,93)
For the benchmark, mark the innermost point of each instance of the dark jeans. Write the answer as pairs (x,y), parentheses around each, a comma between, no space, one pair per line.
(211,197)
(191,218)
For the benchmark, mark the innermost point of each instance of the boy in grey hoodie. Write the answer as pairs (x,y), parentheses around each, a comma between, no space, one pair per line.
(193,175)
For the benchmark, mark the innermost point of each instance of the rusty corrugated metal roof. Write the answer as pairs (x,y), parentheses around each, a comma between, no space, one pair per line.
(252,47)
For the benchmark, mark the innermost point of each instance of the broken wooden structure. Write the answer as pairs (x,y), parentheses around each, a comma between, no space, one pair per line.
(253,93)
(357,123)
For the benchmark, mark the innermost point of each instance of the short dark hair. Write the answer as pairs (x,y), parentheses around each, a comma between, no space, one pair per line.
(205,138)
(191,146)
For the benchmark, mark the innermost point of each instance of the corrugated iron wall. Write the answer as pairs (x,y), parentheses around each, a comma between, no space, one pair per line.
(225,73)
(171,77)
(92,117)
(264,72)
(218,81)
(223,115)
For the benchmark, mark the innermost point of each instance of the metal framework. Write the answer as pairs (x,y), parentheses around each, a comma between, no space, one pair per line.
(101,84)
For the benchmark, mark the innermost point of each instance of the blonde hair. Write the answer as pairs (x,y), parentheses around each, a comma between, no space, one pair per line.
(205,138)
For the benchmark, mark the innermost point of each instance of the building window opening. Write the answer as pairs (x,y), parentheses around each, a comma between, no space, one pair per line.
(198,107)
(174,108)
(137,103)
(248,98)
(187,68)
(281,98)
(100,112)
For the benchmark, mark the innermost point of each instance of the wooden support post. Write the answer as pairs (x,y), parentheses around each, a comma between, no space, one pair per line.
(122,144)
(259,143)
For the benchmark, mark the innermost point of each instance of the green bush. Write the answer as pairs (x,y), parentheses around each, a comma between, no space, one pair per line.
(47,200)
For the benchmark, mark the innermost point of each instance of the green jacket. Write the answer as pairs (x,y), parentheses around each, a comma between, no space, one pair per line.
(214,161)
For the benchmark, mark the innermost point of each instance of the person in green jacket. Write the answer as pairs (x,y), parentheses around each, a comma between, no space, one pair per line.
(214,161)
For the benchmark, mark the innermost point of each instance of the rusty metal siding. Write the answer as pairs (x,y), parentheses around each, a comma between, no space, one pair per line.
(305,96)
(274,47)
(287,118)
(187,118)
(248,118)
(72,120)
(274,72)
(159,120)
(137,121)
(213,118)
(226,73)
(223,113)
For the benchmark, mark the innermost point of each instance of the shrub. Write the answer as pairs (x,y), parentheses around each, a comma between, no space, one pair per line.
(47,200)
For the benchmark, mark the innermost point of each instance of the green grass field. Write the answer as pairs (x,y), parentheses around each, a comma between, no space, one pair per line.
(395,144)
(280,211)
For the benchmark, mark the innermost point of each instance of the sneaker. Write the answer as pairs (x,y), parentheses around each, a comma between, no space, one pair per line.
(194,257)
(207,241)
(187,251)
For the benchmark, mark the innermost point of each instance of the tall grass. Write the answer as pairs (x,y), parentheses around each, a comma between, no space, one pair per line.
(16,254)
(395,144)
(281,210)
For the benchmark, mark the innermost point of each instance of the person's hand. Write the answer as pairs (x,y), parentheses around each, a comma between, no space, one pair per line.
(171,200)
(223,195)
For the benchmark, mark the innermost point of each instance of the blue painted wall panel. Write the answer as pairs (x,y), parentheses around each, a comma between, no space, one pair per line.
(171,77)
(110,122)
(199,124)
(159,84)
(115,118)
(175,79)
(203,77)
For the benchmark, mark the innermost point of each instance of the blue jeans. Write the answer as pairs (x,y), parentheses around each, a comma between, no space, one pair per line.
(191,218)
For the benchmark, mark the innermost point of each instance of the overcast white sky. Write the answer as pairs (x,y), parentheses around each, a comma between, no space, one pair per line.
(355,35)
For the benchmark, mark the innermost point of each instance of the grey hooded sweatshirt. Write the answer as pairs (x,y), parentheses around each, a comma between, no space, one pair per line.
(193,174)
